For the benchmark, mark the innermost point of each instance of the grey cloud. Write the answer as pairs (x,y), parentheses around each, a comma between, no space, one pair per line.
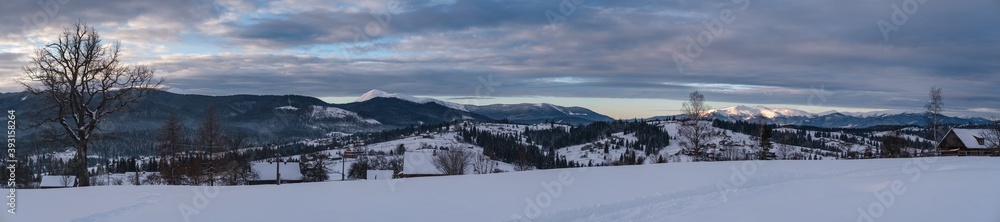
(784,51)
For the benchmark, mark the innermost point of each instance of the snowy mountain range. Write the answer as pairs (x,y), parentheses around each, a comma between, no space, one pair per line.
(833,118)
(751,111)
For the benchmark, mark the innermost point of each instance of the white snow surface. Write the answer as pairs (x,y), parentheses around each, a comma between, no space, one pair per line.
(379,174)
(321,112)
(926,189)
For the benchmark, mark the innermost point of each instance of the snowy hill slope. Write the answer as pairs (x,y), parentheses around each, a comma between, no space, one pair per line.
(539,113)
(519,113)
(773,191)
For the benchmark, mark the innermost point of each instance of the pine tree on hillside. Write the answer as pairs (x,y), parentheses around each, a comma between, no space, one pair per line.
(764,141)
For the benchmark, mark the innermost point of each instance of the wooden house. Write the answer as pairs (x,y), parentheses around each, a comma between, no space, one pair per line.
(966,142)
(268,173)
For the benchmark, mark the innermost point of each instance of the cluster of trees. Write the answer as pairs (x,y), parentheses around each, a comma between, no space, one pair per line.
(314,167)
(651,138)
(506,147)
(359,169)
(394,134)
(630,157)
(199,159)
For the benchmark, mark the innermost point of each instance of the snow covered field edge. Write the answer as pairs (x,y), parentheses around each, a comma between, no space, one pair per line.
(921,189)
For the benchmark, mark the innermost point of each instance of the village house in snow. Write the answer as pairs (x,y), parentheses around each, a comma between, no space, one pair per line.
(267,173)
(57,181)
(419,163)
(966,142)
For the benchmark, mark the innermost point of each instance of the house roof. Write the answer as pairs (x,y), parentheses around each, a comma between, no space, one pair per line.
(267,171)
(379,174)
(969,137)
(57,181)
(420,162)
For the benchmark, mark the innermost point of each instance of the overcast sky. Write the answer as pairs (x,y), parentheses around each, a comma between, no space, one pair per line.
(616,57)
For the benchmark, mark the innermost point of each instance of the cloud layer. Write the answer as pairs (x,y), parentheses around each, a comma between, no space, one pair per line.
(813,53)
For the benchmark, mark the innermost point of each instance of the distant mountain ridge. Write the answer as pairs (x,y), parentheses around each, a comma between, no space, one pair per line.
(519,113)
(831,119)
(272,118)
(538,113)
(383,94)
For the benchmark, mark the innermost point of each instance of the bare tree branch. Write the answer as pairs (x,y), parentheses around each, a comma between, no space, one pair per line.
(83,81)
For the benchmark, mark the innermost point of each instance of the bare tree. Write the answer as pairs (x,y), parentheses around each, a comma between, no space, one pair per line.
(763,139)
(453,161)
(893,144)
(695,132)
(211,140)
(66,180)
(991,134)
(135,179)
(522,164)
(785,150)
(730,151)
(934,108)
(235,172)
(482,164)
(169,144)
(83,81)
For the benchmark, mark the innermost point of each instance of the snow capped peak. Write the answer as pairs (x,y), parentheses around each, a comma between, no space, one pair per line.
(751,111)
(828,112)
(375,93)
(875,113)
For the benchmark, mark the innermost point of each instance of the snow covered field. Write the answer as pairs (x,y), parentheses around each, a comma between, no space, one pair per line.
(925,189)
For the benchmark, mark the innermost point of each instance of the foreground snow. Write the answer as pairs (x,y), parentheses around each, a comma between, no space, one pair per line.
(927,189)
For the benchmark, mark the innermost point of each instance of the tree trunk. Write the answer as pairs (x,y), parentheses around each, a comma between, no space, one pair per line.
(82,174)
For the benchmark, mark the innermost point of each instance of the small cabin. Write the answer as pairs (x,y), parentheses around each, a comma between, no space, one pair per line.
(966,142)
(267,172)
(57,181)
(420,163)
